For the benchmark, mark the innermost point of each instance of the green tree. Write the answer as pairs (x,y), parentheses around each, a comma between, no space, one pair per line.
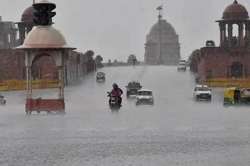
(98,61)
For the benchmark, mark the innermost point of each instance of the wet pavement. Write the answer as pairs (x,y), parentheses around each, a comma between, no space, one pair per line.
(176,131)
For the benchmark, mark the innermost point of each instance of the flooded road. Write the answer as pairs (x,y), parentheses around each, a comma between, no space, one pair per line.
(175,131)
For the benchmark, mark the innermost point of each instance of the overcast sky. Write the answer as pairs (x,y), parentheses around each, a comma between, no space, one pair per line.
(117,28)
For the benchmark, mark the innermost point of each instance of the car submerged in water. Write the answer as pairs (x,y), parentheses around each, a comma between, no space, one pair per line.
(202,93)
(144,97)
(132,88)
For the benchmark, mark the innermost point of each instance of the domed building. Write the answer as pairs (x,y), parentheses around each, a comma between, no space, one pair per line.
(8,34)
(12,64)
(230,60)
(162,44)
(26,24)
(234,26)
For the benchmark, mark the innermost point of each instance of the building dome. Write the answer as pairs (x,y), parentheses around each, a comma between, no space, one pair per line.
(28,15)
(166,29)
(162,44)
(235,11)
(44,37)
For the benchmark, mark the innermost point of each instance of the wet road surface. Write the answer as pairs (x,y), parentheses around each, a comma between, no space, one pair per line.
(176,131)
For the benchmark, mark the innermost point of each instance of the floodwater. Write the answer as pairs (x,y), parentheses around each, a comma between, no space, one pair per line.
(176,131)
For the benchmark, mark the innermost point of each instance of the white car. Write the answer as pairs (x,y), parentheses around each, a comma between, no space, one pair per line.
(144,97)
(202,92)
(182,66)
(100,77)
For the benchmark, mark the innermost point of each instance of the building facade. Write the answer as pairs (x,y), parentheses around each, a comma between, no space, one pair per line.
(8,33)
(162,44)
(12,64)
(230,60)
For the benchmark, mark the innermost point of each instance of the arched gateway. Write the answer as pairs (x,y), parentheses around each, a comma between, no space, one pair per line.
(45,40)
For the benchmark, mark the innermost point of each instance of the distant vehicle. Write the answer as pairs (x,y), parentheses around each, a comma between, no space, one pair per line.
(245,95)
(202,92)
(182,66)
(231,96)
(236,96)
(210,43)
(132,88)
(100,77)
(2,100)
(144,97)
(114,101)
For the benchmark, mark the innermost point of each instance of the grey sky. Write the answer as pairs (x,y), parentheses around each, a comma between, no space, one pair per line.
(117,28)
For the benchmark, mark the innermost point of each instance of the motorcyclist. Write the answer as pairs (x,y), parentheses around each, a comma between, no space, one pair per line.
(117,92)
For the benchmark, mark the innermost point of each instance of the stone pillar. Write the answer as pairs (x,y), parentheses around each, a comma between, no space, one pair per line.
(240,37)
(247,37)
(61,77)
(13,38)
(28,75)
(61,82)
(222,33)
(230,34)
(21,28)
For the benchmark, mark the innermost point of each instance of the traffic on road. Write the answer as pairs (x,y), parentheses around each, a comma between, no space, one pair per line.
(176,129)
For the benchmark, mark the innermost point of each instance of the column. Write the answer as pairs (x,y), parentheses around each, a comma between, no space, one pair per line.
(222,33)
(60,81)
(61,76)
(240,37)
(21,28)
(28,76)
(247,31)
(30,81)
(230,34)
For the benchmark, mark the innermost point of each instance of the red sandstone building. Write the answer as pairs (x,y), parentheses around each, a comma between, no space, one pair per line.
(230,60)
(12,64)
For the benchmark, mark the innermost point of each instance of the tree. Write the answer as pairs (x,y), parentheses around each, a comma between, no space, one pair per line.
(90,54)
(194,60)
(90,61)
(132,60)
(109,62)
(115,62)
(98,61)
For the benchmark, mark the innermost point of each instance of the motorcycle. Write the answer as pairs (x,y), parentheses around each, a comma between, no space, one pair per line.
(114,101)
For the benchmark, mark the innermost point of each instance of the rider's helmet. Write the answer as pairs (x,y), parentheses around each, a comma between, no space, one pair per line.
(115,86)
